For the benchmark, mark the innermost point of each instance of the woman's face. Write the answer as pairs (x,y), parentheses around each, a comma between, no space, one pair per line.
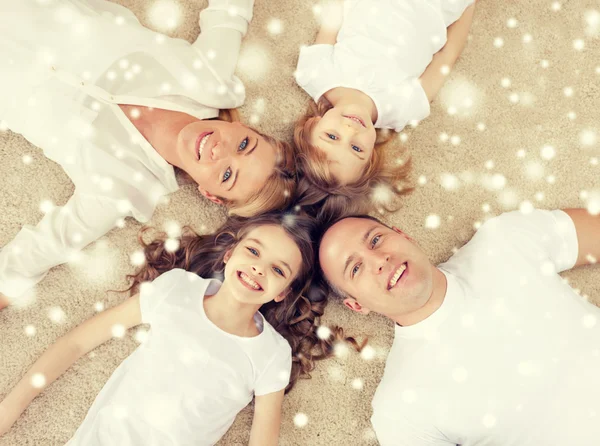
(227,160)
(347,136)
(262,266)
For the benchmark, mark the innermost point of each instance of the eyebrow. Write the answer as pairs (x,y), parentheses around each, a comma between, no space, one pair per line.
(353,151)
(237,172)
(262,246)
(364,239)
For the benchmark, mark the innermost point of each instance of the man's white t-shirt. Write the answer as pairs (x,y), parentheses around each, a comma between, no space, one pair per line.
(382,49)
(186,383)
(511,358)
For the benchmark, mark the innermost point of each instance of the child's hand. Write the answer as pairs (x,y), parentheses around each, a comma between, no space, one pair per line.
(7,419)
(332,13)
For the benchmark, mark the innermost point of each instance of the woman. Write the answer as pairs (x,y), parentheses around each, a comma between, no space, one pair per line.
(119,106)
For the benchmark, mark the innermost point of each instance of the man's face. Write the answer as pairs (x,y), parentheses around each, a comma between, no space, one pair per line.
(381,268)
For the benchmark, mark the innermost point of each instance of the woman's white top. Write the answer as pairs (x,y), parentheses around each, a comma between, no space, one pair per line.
(382,49)
(65,66)
(185,384)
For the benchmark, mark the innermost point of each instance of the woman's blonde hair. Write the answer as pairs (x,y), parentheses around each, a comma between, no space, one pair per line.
(280,187)
(322,192)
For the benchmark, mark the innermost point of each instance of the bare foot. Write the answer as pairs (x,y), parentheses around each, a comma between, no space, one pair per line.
(3,301)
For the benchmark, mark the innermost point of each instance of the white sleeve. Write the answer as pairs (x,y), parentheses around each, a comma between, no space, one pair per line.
(314,69)
(277,374)
(222,25)
(400,431)
(62,232)
(152,294)
(539,235)
(411,102)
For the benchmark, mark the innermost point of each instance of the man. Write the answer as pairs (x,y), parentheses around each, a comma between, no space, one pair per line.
(491,347)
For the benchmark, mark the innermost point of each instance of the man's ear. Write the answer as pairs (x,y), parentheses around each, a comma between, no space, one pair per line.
(355,306)
(402,233)
(210,196)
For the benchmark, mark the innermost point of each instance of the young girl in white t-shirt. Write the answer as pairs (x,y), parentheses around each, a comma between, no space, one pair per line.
(373,65)
(209,350)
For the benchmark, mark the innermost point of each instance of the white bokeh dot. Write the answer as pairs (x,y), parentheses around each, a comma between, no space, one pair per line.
(138,258)
(323,332)
(367,353)
(38,380)
(57,315)
(275,26)
(357,384)
(432,221)
(30,330)
(548,152)
(118,330)
(300,419)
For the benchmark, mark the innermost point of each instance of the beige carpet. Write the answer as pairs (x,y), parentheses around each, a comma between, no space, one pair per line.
(492,161)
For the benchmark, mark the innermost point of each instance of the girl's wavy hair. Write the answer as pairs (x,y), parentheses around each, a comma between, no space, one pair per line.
(280,187)
(296,317)
(322,194)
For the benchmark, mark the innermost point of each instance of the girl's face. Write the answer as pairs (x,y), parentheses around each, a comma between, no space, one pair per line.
(262,266)
(347,136)
(227,160)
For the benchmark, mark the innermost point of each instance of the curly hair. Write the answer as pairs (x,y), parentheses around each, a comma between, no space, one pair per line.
(324,195)
(296,318)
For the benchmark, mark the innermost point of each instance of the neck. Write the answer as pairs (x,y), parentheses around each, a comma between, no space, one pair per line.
(229,314)
(159,127)
(341,96)
(438,293)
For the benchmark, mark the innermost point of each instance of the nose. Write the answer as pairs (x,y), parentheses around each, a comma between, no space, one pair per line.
(378,261)
(355,127)
(258,270)
(216,152)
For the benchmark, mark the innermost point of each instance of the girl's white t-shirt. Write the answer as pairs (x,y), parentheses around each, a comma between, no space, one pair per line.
(382,49)
(187,381)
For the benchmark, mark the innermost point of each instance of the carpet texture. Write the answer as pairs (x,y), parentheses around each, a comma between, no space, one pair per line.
(515,125)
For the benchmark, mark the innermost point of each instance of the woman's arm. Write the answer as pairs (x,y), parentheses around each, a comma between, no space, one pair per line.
(434,75)
(267,419)
(64,230)
(63,353)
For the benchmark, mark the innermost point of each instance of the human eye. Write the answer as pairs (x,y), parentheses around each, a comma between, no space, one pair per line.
(331,136)
(226,175)
(356,149)
(355,270)
(253,251)
(243,145)
(278,271)
(375,240)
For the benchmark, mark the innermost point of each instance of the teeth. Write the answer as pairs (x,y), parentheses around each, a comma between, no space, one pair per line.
(249,281)
(397,275)
(202,143)
(355,119)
